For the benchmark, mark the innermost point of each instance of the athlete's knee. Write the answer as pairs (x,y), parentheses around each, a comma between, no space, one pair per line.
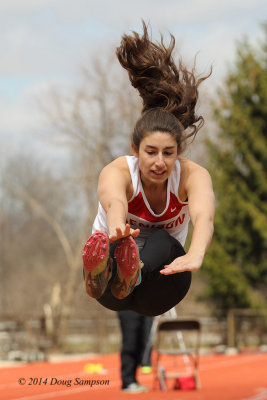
(161,234)
(158,241)
(161,239)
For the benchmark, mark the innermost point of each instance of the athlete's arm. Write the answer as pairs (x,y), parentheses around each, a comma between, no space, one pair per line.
(113,184)
(201,205)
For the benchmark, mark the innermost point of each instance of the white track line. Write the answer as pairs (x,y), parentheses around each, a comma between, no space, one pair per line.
(262,395)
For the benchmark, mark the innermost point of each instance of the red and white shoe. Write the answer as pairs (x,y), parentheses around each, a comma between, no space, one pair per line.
(97,264)
(129,268)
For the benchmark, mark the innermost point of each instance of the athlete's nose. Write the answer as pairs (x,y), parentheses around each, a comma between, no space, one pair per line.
(160,161)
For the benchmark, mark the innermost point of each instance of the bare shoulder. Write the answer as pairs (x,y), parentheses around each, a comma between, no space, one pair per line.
(116,173)
(189,167)
(193,173)
(119,165)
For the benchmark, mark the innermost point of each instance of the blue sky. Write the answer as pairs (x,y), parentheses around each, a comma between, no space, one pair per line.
(45,42)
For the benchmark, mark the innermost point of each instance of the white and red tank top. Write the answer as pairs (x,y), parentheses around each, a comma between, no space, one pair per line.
(174,218)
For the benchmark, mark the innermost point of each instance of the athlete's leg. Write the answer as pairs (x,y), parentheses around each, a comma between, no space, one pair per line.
(108,300)
(99,265)
(158,293)
(147,342)
(132,347)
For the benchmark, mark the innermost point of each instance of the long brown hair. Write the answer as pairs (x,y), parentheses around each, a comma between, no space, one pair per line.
(167,89)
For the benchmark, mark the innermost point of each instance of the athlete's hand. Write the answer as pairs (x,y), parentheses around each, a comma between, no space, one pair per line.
(188,262)
(121,232)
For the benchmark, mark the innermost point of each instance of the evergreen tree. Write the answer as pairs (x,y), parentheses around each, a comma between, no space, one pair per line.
(236,263)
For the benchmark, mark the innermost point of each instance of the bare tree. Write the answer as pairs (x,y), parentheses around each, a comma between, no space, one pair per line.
(47,214)
(41,235)
(94,122)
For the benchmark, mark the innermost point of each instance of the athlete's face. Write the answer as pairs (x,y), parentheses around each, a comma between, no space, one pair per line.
(157,154)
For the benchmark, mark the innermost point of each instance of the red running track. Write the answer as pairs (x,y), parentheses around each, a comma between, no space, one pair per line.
(238,377)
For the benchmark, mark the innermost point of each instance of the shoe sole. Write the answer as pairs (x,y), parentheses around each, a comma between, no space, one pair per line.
(96,262)
(128,274)
(127,257)
(96,252)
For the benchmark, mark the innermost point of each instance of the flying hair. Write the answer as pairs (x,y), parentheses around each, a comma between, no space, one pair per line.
(160,82)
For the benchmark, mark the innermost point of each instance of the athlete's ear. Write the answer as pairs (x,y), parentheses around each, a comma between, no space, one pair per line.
(134,150)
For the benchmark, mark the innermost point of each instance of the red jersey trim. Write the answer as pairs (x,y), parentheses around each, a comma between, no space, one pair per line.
(138,208)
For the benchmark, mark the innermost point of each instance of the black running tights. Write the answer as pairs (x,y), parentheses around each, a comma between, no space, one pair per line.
(156,293)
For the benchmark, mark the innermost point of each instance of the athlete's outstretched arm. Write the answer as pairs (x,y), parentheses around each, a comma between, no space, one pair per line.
(112,194)
(201,209)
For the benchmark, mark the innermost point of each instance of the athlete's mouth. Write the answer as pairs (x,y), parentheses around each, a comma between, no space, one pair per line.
(158,173)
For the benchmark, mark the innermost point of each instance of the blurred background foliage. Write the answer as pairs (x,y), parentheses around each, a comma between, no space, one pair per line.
(236,264)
